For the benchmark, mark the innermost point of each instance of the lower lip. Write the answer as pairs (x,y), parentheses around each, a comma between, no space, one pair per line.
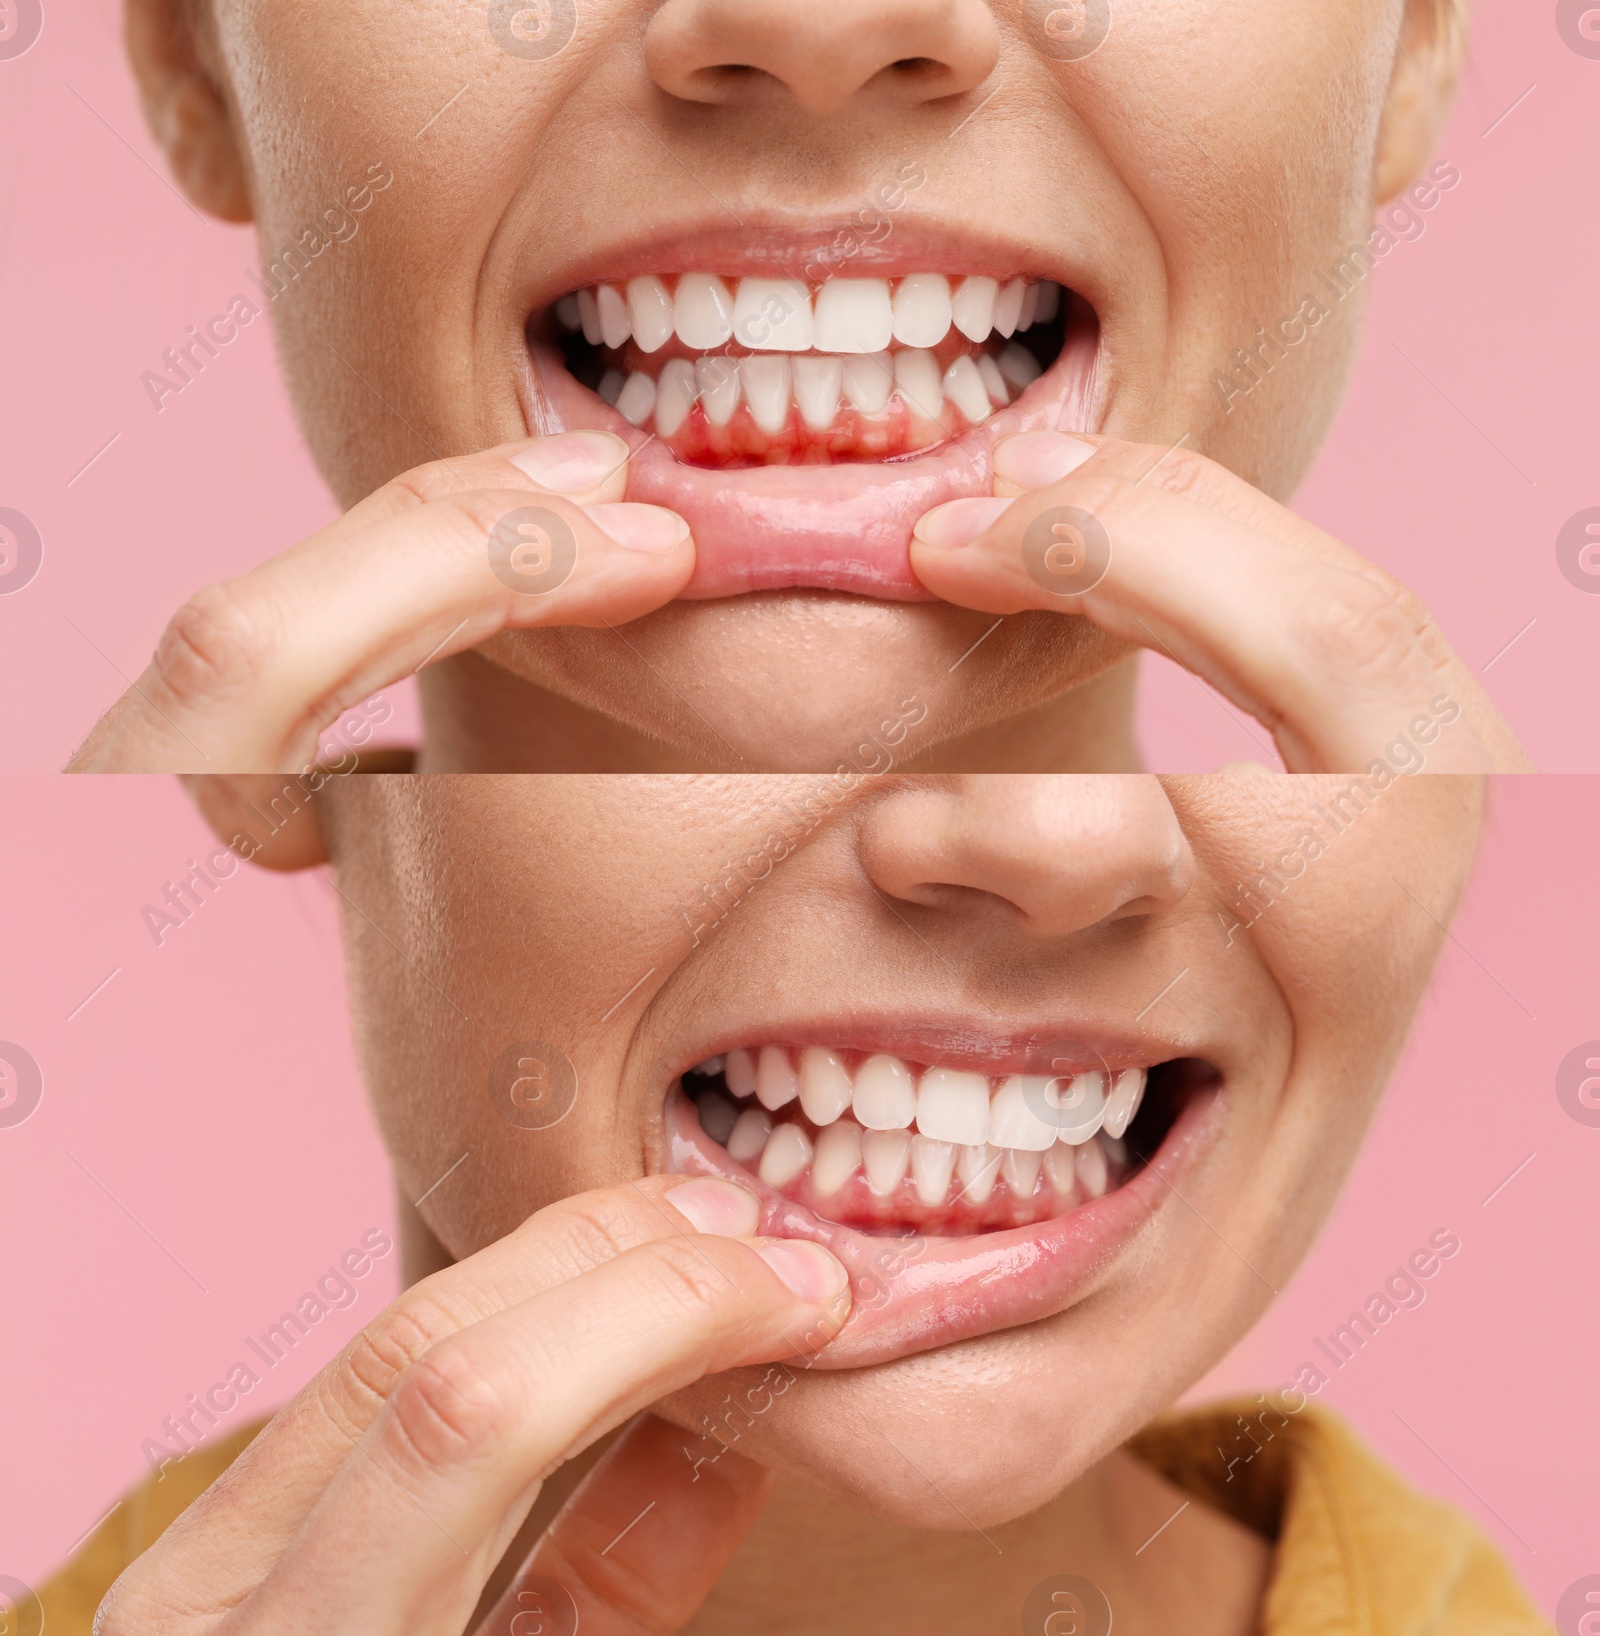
(845,527)
(913,1294)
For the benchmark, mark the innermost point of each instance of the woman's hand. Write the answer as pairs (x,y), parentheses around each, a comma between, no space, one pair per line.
(381,1499)
(1168,550)
(250,672)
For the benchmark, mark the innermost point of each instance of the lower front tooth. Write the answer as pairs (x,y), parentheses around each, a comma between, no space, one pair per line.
(868,381)
(1018,365)
(749,1134)
(916,378)
(718,382)
(776,1085)
(787,1153)
(964,387)
(675,395)
(994,382)
(610,387)
(1060,1165)
(837,1158)
(931,1165)
(1020,1167)
(717,1116)
(977,1167)
(765,384)
(884,1156)
(637,399)
(818,383)
(1092,1175)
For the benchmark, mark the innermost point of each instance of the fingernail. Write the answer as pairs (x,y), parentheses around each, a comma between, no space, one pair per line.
(1035,460)
(639,527)
(571,462)
(958,522)
(808,1269)
(710,1205)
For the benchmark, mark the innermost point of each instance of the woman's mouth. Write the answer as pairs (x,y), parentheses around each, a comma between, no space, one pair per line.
(801,425)
(961,1201)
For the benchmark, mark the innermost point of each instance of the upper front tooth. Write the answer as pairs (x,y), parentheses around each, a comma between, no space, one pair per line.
(675,395)
(885,1098)
(650,308)
(972,307)
(1123,1103)
(853,315)
(869,381)
(931,1164)
(817,385)
(717,380)
(1081,1107)
(1008,306)
(922,310)
(1049,301)
(772,315)
(765,384)
(884,1156)
(1013,1121)
(786,1154)
(776,1084)
(953,1106)
(740,1072)
(1030,306)
(825,1088)
(702,311)
(615,324)
(916,378)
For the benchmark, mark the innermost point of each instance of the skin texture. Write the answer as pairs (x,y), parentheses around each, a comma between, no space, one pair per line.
(487,911)
(1187,178)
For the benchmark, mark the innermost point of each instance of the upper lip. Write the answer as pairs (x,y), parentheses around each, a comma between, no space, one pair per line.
(781,246)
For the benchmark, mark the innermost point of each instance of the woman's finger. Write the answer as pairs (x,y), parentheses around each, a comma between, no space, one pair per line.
(411,1526)
(249,672)
(640,1543)
(1166,550)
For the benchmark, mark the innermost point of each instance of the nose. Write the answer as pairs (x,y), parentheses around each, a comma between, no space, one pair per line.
(1058,853)
(910,51)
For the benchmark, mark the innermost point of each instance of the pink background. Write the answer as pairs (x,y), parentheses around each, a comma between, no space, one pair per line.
(102,266)
(209,1087)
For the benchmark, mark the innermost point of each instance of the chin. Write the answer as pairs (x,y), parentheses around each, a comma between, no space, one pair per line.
(804,680)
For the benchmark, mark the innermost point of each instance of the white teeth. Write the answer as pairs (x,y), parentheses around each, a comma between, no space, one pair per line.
(785,1156)
(650,310)
(589,317)
(884,1096)
(610,387)
(749,1135)
(1008,306)
(868,381)
(675,395)
(1013,1123)
(1092,1175)
(776,1085)
(964,387)
(718,383)
(922,310)
(702,311)
(1116,1148)
(931,1165)
(972,307)
(825,1089)
(1060,1166)
(772,315)
(837,1158)
(1030,306)
(637,399)
(567,312)
(916,378)
(765,384)
(1049,302)
(1021,1170)
(977,1168)
(1018,366)
(712,1065)
(1080,1107)
(953,1106)
(1123,1103)
(884,1156)
(741,1073)
(615,324)
(994,382)
(818,383)
(853,315)
(717,1116)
